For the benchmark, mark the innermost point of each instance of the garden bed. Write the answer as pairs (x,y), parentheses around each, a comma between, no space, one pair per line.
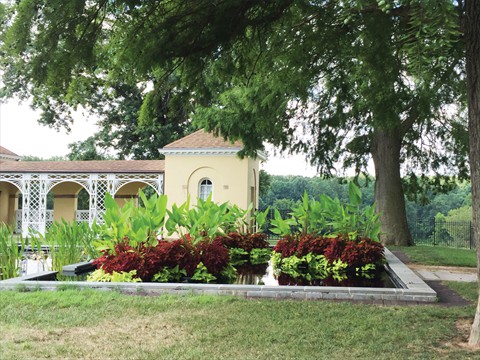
(410,288)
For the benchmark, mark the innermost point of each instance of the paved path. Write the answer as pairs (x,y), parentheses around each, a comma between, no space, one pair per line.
(445,273)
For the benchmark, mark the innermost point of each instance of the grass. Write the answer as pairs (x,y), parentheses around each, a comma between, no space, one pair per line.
(109,325)
(439,256)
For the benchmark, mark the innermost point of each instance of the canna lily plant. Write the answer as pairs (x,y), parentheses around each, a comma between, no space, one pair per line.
(329,217)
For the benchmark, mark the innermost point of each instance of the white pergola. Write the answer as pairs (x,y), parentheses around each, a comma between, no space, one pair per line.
(36,179)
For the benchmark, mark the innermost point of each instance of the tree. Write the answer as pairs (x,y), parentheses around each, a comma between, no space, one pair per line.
(472,40)
(85,150)
(265,180)
(136,123)
(259,70)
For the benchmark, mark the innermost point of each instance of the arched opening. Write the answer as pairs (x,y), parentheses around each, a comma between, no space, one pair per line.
(9,199)
(131,190)
(65,202)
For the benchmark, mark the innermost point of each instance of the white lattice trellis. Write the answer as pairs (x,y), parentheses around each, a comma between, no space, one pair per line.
(82,216)
(35,187)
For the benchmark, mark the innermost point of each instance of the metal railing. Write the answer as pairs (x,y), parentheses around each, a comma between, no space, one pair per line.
(80,216)
(442,233)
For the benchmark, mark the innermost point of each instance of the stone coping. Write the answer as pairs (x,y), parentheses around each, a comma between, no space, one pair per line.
(411,288)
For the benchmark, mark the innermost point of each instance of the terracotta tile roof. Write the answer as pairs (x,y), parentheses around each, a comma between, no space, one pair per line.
(203,140)
(94,166)
(5,151)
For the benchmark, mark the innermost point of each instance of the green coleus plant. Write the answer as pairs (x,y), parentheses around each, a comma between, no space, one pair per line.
(100,275)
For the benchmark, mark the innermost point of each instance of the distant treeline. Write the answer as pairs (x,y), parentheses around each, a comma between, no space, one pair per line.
(284,191)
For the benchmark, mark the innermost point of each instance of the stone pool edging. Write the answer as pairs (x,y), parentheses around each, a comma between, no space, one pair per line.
(412,289)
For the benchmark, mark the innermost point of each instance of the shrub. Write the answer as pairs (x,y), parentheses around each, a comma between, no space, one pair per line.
(214,255)
(286,246)
(334,250)
(312,258)
(124,259)
(312,244)
(361,252)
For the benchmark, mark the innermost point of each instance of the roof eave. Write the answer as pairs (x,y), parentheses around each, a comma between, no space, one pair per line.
(199,151)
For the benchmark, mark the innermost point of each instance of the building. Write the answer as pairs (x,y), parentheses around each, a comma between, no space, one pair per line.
(197,165)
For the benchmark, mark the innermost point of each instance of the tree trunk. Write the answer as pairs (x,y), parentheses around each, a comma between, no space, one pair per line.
(472,38)
(389,196)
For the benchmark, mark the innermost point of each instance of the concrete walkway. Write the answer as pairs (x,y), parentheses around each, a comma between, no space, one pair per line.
(446,273)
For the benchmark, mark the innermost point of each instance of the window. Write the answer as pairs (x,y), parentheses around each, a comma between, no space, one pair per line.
(206,188)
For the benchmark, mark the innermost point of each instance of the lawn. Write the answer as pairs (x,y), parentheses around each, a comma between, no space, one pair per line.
(108,325)
(439,256)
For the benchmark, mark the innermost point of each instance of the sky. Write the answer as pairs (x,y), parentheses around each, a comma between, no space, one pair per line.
(21,133)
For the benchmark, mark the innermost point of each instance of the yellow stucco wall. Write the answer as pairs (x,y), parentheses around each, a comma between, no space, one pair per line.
(129,191)
(233,178)
(65,203)
(8,203)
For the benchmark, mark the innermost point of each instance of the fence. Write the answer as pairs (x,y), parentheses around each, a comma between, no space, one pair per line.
(80,216)
(424,232)
(442,233)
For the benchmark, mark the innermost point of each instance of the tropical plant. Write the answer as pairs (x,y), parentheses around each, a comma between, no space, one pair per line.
(206,220)
(69,243)
(11,253)
(330,217)
(139,225)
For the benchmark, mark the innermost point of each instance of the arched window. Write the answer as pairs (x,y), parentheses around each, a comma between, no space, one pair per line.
(205,189)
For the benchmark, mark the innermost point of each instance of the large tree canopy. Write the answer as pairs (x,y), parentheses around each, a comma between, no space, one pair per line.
(339,80)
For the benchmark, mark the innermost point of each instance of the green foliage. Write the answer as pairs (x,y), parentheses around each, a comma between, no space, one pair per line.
(260,256)
(280,226)
(86,150)
(10,253)
(69,243)
(329,216)
(202,275)
(207,220)
(310,267)
(463,213)
(238,256)
(261,218)
(167,274)
(265,180)
(101,276)
(140,225)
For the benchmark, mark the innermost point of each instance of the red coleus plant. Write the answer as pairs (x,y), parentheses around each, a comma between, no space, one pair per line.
(362,251)
(355,253)
(312,244)
(148,260)
(246,241)
(214,255)
(126,259)
(286,246)
(334,250)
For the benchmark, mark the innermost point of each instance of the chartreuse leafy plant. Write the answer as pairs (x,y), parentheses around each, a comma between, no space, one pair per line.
(139,226)
(10,253)
(205,221)
(329,217)
(100,275)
